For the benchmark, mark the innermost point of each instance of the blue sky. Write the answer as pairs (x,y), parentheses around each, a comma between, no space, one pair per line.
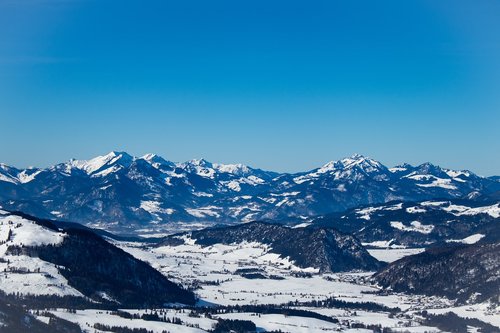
(281,85)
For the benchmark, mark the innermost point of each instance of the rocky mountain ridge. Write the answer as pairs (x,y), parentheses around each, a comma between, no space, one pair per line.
(118,191)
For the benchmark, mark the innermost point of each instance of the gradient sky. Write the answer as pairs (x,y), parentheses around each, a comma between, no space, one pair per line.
(280,85)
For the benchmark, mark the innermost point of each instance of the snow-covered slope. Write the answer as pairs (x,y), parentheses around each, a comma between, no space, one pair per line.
(39,258)
(419,224)
(117,190)
(466,272)
(24,274)
(323,249)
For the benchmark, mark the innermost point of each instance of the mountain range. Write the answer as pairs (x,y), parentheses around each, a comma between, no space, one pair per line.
(120,192)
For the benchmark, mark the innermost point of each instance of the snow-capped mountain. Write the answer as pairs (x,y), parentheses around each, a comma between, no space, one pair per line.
(118,190)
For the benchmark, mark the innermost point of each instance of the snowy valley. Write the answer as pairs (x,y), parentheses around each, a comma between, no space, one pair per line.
(234,282)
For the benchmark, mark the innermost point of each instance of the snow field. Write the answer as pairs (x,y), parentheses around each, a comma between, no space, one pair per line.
(23,274)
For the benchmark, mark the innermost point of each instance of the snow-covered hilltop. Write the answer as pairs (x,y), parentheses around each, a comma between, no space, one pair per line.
(39,258)
(117,190)
(418,224)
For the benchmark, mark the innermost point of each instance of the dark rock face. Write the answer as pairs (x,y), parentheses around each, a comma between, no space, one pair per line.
(96,268)
(419,224)
(118,191)
(466,273)
(324,248)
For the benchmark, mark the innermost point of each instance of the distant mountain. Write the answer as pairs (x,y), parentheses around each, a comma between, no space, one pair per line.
(468,273)
(39,258)
(325,249)
(419,224)
(118,191)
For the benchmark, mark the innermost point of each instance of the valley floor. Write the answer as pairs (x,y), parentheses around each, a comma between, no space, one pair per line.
(245,282)
(229,276)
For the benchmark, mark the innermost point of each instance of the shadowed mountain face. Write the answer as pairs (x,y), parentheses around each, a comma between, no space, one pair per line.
(88,264)
(323,248)
(468,273)
(118,191)
(419,224)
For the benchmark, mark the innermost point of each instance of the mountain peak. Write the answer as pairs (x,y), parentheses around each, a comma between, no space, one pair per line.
(201,167)
(350,166)
(428,168)
(357,156)
(360,161)
(115,153)
(346,164)
(200,162)
(149,156)
(6,167)
(97,163)
(156,159)
(236,169)
(404,167)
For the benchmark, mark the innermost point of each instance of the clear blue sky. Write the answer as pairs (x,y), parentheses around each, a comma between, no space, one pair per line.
(281,85)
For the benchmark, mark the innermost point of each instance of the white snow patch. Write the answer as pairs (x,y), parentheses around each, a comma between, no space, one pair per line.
(396,169)
(24,177)
(95,164)
(434,181)
(279,322)
(472,239)
(391,255)
(203,212)
(486,312)
(415,210)
(458,210)
(24,274)
(384,244)
(302,225)
(366,212)
(416,226)
(234,185)
(107,171)
(203,194)
(153,207)
(455,173)
(8,179)
(434,203)
(236,169)
(86,319)
(28,233)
